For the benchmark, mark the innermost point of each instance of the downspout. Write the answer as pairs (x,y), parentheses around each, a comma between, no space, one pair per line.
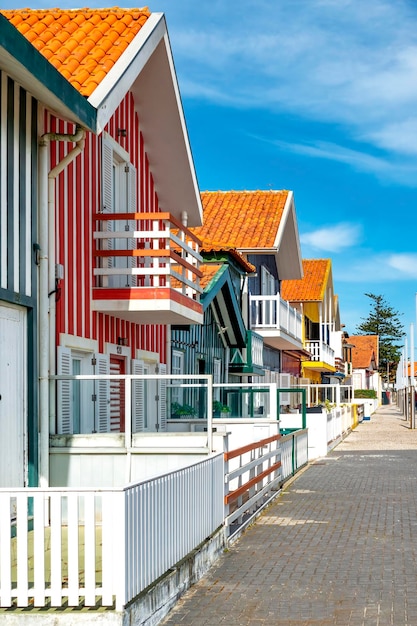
(47,288)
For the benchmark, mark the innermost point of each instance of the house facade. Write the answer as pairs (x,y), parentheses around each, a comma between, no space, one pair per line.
(28,85)
(365,362)
(261,226)
(313,296)
(105,262)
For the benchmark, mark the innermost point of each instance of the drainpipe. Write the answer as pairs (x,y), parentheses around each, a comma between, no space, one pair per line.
(47,287)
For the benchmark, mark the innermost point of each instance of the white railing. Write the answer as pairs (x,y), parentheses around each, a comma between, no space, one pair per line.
(294,452)
(104,547)
(160,527)
(146,250)
(320,351)
(194,390)
(334,394)
(334,426)
(272,312)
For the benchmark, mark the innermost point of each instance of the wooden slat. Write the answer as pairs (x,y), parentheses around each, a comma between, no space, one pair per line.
(56,549)
(89,549)
(22,549)
(39,549)
(252,446)
(73,550)
(5,553)
(232,495)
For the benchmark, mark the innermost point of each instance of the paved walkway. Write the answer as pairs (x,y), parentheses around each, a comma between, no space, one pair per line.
(338,547)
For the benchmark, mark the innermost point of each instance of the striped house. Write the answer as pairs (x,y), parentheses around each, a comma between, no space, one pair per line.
(262,227)
(110,187)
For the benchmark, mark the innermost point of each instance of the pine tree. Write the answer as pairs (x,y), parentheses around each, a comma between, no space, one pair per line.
(384,321)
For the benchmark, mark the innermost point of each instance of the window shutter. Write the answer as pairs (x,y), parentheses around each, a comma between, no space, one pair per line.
(64,392)
(107,177)
(131,207)
(103,394)
(162,399)
(107,192)
(138,397)
(285,383)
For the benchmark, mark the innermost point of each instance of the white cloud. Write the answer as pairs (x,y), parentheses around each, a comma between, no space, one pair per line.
(333,238)
(335,61)
(368,267)
(399,137)
(405,263)
(333,152)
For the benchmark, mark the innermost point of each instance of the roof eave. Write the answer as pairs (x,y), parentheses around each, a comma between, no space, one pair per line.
(147,69)
(22,62)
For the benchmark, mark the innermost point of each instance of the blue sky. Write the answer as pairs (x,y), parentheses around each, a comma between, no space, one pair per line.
(316,96)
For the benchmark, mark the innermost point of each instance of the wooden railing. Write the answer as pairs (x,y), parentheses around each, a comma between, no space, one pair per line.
(146,250)
(252,475)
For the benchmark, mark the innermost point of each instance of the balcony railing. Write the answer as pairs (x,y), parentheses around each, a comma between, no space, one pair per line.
(142,257)
(276,320)
(320,352)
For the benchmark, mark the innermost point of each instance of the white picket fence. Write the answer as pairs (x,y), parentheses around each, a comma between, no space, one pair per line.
(294,452)
(104,546)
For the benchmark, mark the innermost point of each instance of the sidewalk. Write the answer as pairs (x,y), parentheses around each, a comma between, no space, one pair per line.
(338,547)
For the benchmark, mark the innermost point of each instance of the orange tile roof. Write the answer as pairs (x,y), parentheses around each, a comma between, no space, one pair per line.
(364,350)
(312,286)
(82,44)
(209,271)
(241,219)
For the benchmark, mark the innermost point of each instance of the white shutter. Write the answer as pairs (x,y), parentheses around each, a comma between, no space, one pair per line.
(138,397)
(107,177)
(103,394)
(107,192)
(131,208)
(64,391)
(285,383)
(162,399)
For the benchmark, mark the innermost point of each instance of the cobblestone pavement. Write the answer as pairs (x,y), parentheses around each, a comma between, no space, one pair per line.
(338,547)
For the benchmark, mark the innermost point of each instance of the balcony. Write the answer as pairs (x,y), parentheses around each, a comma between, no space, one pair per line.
(276,321)
(322,356)
(248,361)
(146,269)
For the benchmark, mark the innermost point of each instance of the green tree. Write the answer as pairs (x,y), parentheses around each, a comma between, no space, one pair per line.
(384,321)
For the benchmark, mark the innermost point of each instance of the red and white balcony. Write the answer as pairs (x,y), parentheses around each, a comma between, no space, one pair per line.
(147,269)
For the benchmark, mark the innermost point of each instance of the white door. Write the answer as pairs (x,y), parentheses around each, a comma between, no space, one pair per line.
(13,364)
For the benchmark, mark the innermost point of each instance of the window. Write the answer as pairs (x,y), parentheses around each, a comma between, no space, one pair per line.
(148,396)
(217,377)
(83,405)
(177,367)
(267,282)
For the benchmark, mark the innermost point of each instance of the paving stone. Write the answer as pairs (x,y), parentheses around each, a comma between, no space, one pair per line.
(337,548)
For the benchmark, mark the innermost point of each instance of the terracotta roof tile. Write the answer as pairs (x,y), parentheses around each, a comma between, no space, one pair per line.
(83,44)
(365,348)
(311,287)
(241,219)
(209,271)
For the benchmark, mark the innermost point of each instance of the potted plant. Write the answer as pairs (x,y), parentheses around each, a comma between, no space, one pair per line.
(220,409)
(182,410)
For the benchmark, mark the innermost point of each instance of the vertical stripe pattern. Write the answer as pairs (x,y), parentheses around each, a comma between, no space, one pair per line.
(18,188)
(78,198)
